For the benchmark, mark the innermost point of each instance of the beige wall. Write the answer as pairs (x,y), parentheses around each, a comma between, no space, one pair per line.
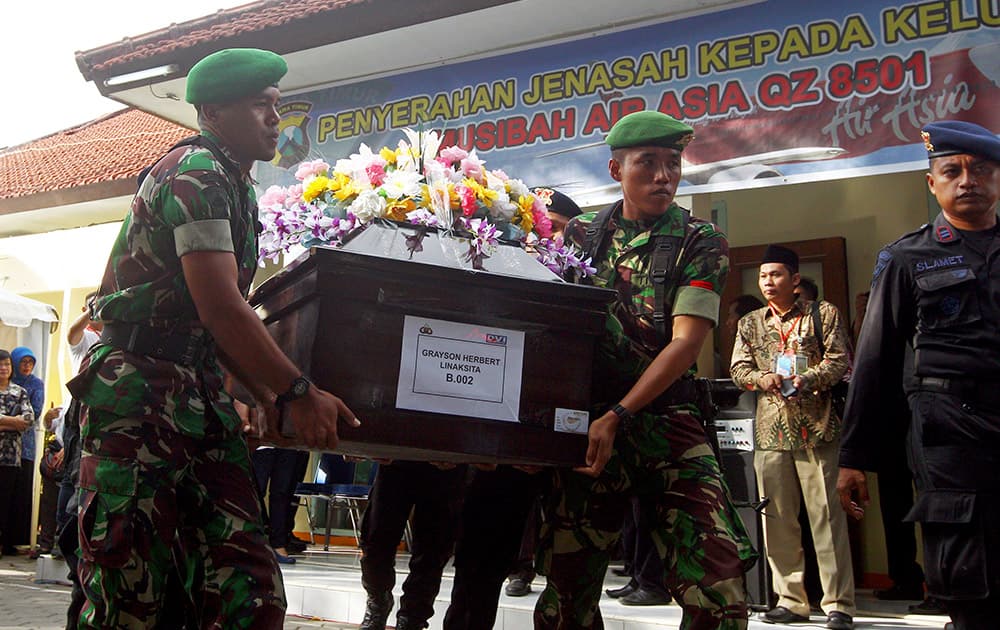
(869,212)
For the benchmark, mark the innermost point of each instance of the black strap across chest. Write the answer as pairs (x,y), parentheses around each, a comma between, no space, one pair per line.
(668,249)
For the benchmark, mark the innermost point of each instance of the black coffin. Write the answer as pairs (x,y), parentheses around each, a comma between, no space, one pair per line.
(339,315)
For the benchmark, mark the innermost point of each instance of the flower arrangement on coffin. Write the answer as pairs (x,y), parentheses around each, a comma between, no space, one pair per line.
(419,183)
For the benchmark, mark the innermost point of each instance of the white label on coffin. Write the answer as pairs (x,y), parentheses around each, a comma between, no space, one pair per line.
(460,369)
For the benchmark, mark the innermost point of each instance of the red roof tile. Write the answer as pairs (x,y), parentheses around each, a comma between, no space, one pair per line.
(117,146)
(222,25)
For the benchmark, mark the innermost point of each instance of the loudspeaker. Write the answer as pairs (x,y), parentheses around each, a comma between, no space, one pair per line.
(737,467)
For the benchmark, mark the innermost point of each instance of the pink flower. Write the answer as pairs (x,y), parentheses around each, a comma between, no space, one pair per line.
(273,196)
(468,199)
(538,206)
(294,195)
(309,169)
(448,155)
(500,175)
(473,167)
(376,173)
(543,224)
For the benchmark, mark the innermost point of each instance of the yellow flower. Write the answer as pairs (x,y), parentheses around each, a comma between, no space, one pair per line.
(388,155)
(527,219)
(396,210)
(347,190)
(526,203)
(486,195)
(315,188)
(338,181)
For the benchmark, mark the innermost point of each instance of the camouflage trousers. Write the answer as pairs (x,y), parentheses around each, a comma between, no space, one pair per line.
(155,505)
(695,529)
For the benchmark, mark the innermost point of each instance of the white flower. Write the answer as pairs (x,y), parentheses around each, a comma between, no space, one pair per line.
(426,142)
(435,172)
(503,210)
(367,206)
(356,166)
(401,184)
(517,188)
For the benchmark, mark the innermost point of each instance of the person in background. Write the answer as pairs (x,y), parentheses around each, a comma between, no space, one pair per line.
(24,361)
(642,562)
(808,290)
(16,416)
(51,468)
(936,292)
(434,494)
(796,436)
(560,208)
(274,469)
(81,335)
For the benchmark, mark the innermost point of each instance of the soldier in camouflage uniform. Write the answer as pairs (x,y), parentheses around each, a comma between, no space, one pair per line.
(165,483)
(651,443)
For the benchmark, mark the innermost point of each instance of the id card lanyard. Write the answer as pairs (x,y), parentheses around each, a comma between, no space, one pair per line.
(786,363)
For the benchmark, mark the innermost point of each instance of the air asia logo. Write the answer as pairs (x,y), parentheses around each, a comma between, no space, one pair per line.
(293,141)
(500,340)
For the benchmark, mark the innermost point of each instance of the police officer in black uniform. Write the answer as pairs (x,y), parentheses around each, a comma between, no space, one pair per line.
(938,290)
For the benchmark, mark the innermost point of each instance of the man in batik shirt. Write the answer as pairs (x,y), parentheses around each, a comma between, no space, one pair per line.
(797,436)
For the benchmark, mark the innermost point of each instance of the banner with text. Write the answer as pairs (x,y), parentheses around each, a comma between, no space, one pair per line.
(783,88)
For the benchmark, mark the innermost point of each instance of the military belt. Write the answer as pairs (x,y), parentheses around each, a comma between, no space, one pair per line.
(184,348)
(970,390)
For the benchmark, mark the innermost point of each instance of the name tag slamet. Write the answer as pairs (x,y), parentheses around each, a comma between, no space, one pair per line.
(949,261)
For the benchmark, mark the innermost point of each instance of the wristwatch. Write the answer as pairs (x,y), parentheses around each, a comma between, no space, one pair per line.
(624,415)
(297,390)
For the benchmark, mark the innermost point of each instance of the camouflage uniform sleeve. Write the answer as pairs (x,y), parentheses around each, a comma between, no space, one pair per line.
(197,204)
(743,368)
(704,276)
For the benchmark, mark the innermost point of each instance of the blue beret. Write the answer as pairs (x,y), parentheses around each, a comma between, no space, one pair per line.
(556,202)
(644,129)
(234,73)
(952,137)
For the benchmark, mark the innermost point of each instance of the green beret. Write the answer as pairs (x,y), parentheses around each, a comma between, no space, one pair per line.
(643,129)
(232,74)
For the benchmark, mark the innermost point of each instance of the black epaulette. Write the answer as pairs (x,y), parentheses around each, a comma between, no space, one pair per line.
(919,230)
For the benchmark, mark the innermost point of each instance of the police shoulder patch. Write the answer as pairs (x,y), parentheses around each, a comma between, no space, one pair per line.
(881,263)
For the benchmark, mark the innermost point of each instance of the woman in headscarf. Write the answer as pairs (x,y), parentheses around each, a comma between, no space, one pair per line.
(24,361)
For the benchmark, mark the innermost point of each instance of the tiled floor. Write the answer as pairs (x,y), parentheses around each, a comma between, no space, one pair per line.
(328,586)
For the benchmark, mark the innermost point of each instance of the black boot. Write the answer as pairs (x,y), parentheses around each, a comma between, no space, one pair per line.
(377,611)
(403,623)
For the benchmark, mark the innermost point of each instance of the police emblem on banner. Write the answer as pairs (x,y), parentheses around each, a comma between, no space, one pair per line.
(293,138)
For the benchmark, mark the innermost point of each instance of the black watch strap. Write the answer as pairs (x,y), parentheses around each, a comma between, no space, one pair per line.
(623,414)
(298,389)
